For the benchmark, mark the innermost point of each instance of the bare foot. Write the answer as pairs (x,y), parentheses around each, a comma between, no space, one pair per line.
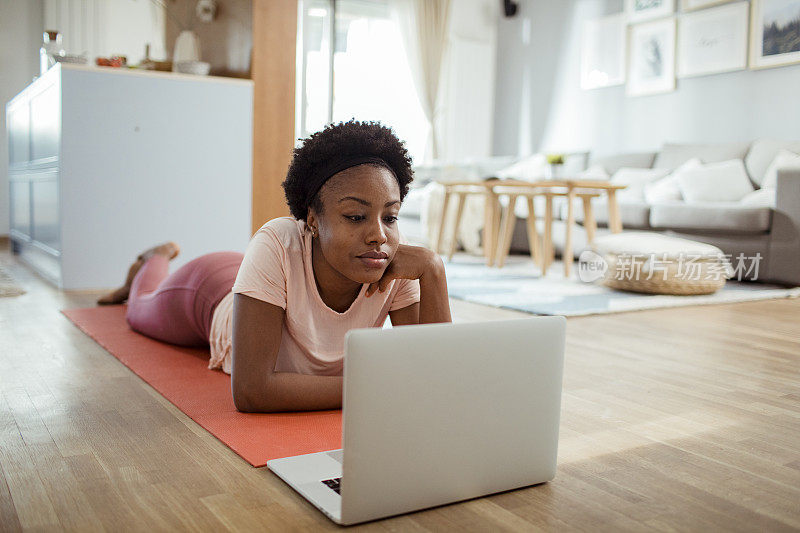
(116,297)
(120,295)
(170,250)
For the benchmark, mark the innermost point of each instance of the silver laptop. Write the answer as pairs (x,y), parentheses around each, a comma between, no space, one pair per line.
(438,413)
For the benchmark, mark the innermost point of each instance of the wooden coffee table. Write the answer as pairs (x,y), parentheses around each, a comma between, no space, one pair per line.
(496,244)
(571,189)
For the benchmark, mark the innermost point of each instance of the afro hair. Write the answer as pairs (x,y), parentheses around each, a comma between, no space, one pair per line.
(345,139)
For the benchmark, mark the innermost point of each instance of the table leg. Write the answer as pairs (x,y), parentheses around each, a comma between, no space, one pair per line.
(548,234)
(567,256)
(509,220)
(497,212)
(533,235)
(491,227)
(462,197)
(488,216)
(442,220)
(614,219)
(589,223)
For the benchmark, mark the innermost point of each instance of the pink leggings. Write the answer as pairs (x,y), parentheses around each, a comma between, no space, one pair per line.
(178,307)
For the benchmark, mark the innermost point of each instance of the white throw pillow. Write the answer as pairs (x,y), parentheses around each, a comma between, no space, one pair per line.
(764,197)
(594,172)
(636,179)
(784,159)
(716,182)
(529,169)
(666,189)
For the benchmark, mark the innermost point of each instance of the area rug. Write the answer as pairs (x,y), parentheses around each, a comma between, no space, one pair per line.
(8,287)
(519,286)
(182,376)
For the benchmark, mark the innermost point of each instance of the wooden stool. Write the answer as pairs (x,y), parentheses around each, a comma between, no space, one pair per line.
(589,223)
(461,191)
(497,251)
(542,255)
(571,189)
(507,228)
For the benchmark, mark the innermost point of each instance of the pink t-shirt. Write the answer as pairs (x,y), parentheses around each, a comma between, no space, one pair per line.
(277,269)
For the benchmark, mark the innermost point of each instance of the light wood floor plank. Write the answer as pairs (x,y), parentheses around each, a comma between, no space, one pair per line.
(32,505)
(680,419)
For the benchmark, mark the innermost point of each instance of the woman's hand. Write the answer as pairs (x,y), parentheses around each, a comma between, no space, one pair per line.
(409,262)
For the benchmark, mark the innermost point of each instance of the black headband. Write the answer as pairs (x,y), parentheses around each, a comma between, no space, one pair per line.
(338,164)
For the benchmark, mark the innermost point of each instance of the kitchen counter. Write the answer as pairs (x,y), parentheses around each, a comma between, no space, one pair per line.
(106,162)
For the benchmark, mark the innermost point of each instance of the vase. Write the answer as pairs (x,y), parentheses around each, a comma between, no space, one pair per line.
(187,48)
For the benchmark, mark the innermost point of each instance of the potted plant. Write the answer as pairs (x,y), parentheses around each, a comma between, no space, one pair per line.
(554,162)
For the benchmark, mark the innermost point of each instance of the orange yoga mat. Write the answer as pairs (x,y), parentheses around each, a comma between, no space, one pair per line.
(182,376)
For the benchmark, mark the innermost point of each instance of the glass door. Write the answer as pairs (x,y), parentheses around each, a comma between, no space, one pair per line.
(353,65)
(314,73)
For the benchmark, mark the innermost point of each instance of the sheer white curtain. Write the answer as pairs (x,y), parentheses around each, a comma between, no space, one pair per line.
(423,25)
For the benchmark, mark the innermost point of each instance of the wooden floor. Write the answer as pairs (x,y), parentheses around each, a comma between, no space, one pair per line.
(680,419)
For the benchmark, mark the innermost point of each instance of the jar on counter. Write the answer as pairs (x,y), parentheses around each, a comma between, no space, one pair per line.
(51,47)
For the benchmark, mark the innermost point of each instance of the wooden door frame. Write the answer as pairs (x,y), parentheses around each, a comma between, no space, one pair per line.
(273,73)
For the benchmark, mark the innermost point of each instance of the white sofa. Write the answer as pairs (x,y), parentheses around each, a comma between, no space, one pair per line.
(769,226)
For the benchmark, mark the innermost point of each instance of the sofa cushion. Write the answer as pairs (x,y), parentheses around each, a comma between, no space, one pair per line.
(632,213)
(784,159)
(414,201)
(726,181)
(713,216)
(763,197)
(574,163)
(594,172)
(667,189)
(531,168)
(635,180)
(673,155)
(762,153)
(631,160)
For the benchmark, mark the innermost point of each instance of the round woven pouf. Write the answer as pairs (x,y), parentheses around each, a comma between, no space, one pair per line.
(653,263)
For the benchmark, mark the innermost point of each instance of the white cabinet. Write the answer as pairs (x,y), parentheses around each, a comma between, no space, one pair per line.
(104,163)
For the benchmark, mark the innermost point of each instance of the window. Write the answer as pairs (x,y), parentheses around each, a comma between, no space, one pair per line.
(370,78)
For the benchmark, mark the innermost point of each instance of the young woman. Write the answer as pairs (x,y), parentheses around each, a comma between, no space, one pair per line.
(275,318)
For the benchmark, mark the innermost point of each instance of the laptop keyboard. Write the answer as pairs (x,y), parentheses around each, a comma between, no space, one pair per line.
(334,484)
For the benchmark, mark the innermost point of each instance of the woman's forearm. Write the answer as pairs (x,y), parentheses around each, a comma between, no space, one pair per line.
(286,391)
(434,304)
(257,332)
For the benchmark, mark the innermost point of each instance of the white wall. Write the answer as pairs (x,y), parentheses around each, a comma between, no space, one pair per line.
(528,51)
(737,106)
(20,39)
(226,42)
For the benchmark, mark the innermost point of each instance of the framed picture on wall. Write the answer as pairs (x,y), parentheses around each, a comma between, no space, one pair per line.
(639,10)
(713,40)
(691,5)
(603,52)
(651,65)
(775,39)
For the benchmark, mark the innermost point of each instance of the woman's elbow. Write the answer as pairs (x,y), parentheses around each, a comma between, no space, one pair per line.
(243,403)
(247,399)
(244,397)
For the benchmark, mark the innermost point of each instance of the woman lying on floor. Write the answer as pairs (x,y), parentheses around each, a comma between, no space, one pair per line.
(303,282)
